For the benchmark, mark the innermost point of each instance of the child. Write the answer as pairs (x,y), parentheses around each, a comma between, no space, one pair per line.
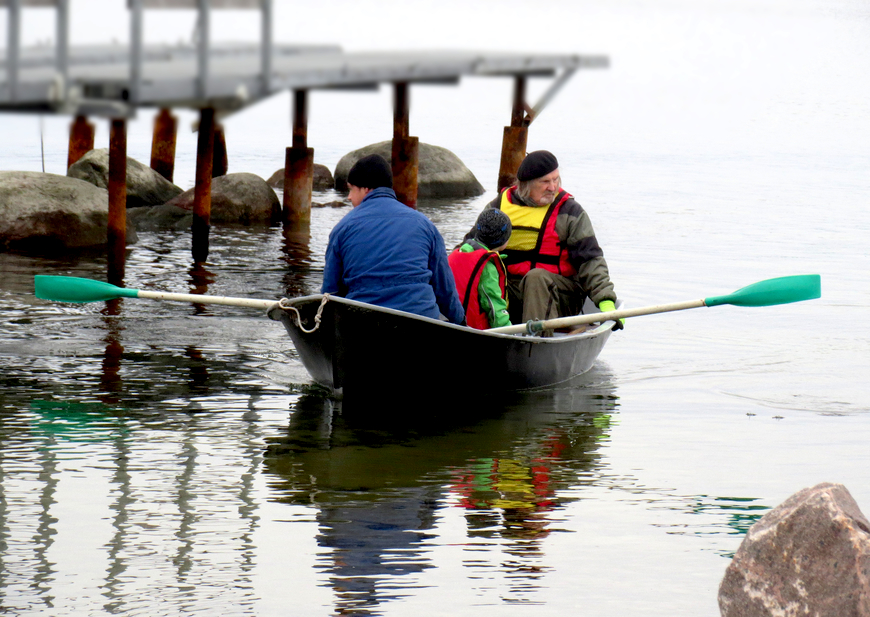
(479,273)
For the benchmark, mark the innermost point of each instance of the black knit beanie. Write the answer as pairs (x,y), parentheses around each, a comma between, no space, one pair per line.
(536,165)
(371,172)
(493,228)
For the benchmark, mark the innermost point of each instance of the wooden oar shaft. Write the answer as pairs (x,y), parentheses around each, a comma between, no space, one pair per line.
(201,299)
(577,320)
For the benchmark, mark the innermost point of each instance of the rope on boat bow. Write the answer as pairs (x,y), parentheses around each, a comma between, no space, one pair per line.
(284,304)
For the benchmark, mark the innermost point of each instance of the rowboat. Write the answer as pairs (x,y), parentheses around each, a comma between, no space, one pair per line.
(352,348)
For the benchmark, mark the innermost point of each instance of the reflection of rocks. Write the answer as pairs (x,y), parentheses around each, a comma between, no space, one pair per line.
(46,212)
(145,187)
(808,556)
(441,173)
(323,180)
(240,198)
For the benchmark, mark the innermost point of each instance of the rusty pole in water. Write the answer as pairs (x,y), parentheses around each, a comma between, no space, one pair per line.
(81,139)
(513,147)
(406,149)
(163,144)
(117,228)
(202,189)
(220,164)
(298,165)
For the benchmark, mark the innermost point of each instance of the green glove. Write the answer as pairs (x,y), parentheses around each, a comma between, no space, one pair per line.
(606,306)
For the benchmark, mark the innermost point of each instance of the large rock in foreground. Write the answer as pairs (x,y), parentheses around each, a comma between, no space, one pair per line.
(808,556)
(440,172)
(241,198)
(145,187)
(322,181)
(42,212)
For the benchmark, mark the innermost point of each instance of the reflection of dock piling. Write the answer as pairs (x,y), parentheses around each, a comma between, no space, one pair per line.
(109,82)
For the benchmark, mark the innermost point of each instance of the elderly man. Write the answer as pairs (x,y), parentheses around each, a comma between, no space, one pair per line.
(388,254)
(553,259)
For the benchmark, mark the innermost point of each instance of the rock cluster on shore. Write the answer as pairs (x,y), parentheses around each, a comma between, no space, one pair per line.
(46,212)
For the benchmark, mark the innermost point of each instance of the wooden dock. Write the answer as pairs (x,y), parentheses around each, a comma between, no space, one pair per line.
(113,81)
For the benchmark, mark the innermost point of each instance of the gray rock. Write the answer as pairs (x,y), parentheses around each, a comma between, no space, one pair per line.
(808,556)
(42,212)
(440,174)
(240,198)
(323,180)
(145,187)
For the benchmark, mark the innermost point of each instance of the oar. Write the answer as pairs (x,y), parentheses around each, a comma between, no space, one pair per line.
(781,290)
(75,289)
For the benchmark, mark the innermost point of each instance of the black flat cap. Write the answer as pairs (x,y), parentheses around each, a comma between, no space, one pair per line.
(537,164)
(371,172)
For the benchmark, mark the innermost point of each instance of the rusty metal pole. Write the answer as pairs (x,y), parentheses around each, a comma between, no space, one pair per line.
(513,147)
(220,164)
(81,139)
(202,189)
(117,228)
(406,149)
(298,165)
(163,144)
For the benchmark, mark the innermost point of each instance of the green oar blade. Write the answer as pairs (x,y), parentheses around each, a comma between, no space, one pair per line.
(75,289)
(781,290)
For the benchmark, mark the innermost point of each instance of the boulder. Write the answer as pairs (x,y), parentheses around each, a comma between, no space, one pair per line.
(440,174)
(145,187)
(808,556)
(323,180)
(239,198)
(42,212)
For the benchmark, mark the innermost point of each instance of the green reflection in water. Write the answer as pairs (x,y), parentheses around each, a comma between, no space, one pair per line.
(74,421)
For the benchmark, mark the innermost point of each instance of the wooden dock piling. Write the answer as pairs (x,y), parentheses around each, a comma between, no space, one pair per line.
(298,165)
(513,147)
(202,189)
(163,144)
(81,139)
(406,149)
(117,227)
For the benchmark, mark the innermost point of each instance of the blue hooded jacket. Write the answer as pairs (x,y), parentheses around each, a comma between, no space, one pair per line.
(388,254)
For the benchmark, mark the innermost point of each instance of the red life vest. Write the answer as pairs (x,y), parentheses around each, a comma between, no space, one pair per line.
(547,251)
(467,269)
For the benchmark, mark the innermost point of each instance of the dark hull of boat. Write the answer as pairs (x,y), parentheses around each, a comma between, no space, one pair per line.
(359,347)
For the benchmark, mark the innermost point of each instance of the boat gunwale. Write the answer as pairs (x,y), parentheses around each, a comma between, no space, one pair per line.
(551,340)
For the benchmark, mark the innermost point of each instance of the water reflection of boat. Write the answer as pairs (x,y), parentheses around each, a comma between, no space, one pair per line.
(380,489)
(356,347)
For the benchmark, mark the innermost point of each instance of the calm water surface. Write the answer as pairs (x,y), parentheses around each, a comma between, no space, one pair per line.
(178,456)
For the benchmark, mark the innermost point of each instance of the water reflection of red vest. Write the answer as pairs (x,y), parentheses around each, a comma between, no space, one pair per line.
(534,242)
(467,269)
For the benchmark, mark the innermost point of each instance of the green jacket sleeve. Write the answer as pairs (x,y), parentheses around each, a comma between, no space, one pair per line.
(491,301)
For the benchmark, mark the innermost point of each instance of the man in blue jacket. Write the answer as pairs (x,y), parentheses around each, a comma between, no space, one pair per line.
(388,254)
